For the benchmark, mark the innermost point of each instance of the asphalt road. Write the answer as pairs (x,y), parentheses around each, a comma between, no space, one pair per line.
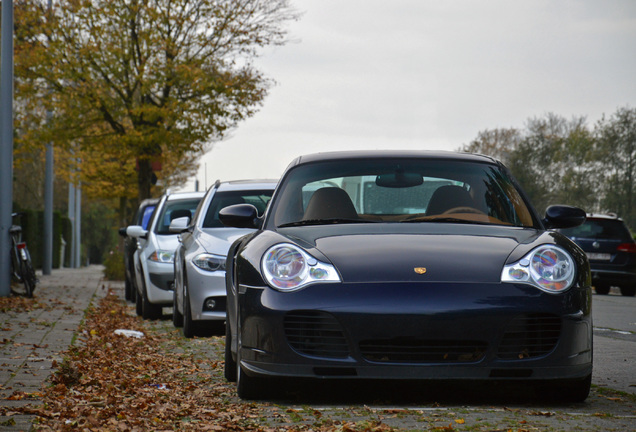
(614,342)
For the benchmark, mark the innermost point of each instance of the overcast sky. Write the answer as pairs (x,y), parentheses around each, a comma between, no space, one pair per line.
(429,74)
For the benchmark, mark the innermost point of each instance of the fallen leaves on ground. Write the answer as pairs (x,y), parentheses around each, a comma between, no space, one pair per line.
(20,304)
(108,381)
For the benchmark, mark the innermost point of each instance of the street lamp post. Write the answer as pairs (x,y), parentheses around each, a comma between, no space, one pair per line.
(6,145)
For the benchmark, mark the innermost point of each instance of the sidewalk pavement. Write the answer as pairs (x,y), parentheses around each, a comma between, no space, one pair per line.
(30,341)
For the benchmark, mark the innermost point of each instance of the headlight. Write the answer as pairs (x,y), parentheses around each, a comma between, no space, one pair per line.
(287,267)
(162,256)
(547,267)
(209,262)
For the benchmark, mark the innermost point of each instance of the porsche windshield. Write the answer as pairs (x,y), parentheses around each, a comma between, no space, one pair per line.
(401,191)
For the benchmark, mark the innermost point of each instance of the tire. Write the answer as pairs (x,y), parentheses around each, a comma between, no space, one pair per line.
(230,364)
(28,276)
(138,303)
(150,311)
(602,289)
(177,317)
(189,325)
(576,390)
(628,291)
(248,387)
(128,294)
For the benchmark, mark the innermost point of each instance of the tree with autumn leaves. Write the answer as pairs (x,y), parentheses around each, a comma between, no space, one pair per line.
(125,88)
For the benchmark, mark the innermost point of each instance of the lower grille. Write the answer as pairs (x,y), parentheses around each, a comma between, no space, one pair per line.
(422,351)
(316,334)
(529,336)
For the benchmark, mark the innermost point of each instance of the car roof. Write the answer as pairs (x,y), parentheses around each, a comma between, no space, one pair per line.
(148,201)
(247,184)
(609,216)
(184,195)
(385,154)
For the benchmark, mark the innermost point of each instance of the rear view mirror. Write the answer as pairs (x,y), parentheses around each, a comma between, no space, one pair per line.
(240,216)
(399,179)
(136,231)
(179,225)
(562,216)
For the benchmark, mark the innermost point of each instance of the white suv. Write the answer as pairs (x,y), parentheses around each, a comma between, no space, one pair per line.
(154,258)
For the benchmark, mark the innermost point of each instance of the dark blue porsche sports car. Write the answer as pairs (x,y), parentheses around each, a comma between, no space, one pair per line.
(406,265)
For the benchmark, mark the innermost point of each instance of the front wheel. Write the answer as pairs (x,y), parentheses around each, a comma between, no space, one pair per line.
(248,387)
(628,291)
(138,303)
(189,325)
(177,317)
(128,293)
(28,277)
(576,391)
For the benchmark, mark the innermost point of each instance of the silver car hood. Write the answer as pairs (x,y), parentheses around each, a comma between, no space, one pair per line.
(218,240)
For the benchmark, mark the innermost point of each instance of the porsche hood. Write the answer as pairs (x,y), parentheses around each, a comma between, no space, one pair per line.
(422,257)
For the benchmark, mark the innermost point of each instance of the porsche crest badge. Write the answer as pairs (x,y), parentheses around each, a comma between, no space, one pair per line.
(420,270)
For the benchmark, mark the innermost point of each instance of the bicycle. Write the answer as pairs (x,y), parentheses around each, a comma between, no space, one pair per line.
(21,265)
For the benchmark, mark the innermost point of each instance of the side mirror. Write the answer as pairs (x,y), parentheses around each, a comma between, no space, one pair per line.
(136,231)
(562,216)
(240,216)
(122,232)
(179,225)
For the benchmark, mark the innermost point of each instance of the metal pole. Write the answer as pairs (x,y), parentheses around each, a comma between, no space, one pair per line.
(6,145)
(71,216)
(78,225)
(47,259)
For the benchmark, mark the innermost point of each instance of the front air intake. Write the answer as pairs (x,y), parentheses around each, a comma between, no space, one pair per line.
(530,336)
(316,334)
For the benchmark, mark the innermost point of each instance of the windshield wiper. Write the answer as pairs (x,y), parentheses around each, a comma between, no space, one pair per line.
(325,222)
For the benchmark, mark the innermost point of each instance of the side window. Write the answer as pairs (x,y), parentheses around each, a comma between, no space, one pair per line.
(145,218)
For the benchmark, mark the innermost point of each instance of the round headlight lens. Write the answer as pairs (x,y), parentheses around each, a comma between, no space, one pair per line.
(547,267)
(287,267)
(552,268)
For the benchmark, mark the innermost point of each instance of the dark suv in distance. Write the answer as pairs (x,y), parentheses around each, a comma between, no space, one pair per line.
(611,251)
(142,217)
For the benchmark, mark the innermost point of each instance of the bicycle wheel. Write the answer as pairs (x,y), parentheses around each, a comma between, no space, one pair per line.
(28,276)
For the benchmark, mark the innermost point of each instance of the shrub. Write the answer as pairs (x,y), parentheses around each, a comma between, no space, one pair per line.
(114,266)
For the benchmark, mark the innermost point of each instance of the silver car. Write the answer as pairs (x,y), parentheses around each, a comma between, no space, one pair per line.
(199,264)
(154,258)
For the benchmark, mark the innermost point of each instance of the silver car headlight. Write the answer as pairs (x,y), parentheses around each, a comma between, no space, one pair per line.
(546,267)
(287,268)
(162,256)
(209,262)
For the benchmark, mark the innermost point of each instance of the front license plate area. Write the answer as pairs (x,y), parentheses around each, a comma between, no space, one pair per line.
(599,256)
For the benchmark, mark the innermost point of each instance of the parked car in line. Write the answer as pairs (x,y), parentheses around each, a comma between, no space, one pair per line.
(438,269)
(141,218)
(611,250)
(154,268)
(199,265)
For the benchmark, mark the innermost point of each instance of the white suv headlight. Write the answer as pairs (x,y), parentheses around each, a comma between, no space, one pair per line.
(162,256)
(547,267)
(287,268)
